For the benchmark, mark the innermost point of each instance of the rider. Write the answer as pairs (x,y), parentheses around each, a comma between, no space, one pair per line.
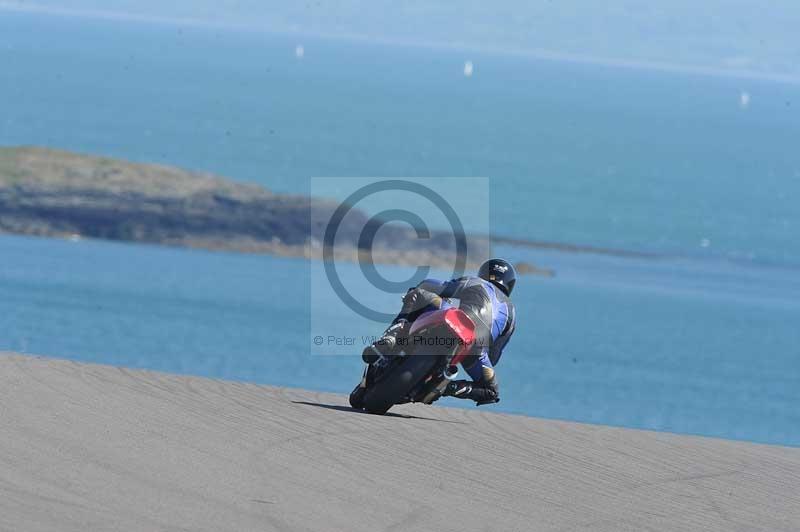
(485,299)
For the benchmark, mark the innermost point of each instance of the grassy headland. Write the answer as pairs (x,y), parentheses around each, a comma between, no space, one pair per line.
(46,192)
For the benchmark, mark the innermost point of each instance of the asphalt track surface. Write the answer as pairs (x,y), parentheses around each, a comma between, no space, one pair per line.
(98,448)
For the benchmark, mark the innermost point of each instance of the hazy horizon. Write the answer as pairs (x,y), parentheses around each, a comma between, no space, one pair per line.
(724,37)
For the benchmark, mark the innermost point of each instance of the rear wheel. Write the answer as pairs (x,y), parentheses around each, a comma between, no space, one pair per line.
(392,388)
(358,393)
(357,397)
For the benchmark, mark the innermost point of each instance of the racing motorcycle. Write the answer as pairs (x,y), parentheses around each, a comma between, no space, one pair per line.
(437,342)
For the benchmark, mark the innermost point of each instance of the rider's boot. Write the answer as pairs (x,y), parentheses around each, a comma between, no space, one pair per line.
(480,392)
(388,344)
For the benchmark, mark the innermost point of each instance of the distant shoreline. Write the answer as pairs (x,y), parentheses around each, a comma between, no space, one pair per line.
(573,248)
(54,193)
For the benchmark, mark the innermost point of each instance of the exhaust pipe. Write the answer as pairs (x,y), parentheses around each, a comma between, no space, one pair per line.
(450,372)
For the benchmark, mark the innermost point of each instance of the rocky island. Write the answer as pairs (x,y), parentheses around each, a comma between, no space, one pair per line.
(46,192)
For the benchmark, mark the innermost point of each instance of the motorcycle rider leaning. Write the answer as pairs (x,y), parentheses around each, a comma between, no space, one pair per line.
(486,300)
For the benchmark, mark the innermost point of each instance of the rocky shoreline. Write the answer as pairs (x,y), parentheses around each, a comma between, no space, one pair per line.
(54,193)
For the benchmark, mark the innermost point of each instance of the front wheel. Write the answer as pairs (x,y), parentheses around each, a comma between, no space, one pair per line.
(392,388)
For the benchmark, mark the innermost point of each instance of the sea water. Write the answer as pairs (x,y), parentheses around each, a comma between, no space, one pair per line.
(583,154)
(702,171)
(682,345)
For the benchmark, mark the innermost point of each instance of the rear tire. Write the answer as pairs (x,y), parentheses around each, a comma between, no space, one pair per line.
(357,397)
(383,395)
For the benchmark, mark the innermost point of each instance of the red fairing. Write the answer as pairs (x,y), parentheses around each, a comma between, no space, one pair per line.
(458,322)
(462,325)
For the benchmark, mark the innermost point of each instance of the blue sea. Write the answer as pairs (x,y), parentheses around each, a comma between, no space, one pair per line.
(704,172)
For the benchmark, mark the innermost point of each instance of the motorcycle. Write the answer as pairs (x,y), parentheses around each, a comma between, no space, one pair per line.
(437,342)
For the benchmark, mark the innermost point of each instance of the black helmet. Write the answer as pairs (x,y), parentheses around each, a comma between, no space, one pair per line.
(500,273)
